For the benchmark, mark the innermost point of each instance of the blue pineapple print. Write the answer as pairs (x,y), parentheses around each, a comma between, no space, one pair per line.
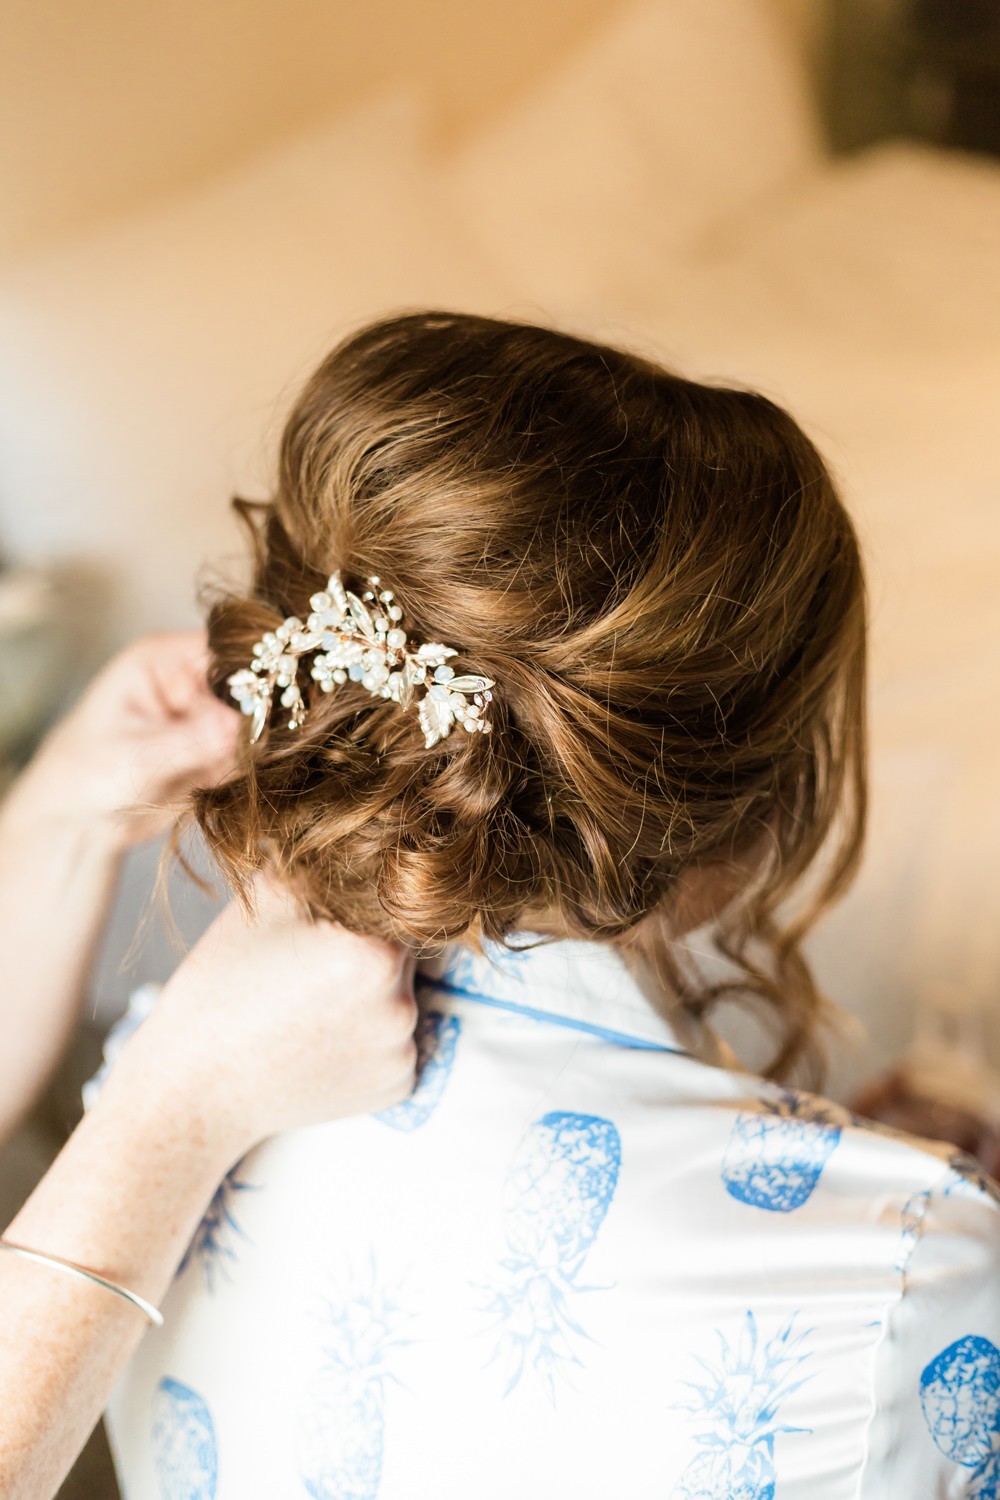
(776,1154)
(185,1455)
(342,1414)
(215,1239)
(737,1404)
(960,1398)
(557,1194)
(437,1038)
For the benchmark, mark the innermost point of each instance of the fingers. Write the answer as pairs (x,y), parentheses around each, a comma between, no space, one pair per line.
(206,741)
(180,660)
(399,1085)
(410,1012)
(170,671)
(183,650)
(409,969)
(406,1015)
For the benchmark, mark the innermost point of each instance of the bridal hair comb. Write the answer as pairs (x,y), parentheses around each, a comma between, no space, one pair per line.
(359,639)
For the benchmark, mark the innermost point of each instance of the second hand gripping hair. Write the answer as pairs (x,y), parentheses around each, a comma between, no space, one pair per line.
(360,639)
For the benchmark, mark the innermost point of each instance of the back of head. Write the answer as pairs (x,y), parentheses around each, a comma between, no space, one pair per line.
(663,584)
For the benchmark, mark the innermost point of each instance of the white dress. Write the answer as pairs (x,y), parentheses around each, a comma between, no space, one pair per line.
(578,1262)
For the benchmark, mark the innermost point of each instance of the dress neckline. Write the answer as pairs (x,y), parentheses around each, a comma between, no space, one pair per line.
(589,987)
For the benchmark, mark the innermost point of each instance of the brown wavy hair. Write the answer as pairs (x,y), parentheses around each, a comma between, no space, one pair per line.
(661,579)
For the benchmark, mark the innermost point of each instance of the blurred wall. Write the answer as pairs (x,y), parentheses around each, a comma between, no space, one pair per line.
(109,101)
(805,19)
(106,102)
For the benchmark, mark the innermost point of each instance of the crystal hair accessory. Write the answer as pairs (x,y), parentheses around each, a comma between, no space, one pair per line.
(359,639)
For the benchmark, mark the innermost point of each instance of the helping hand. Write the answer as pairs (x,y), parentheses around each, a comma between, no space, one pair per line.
(146,731)
(275,1023)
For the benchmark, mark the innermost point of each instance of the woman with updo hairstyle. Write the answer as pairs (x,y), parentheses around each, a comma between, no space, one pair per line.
(664,585)
(591,1255)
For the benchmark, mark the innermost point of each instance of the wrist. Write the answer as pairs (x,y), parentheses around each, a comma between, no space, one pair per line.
(126,1193)
(51,795)
(168,1082)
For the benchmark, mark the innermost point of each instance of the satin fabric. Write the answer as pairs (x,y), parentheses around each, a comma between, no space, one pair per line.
(589,1257)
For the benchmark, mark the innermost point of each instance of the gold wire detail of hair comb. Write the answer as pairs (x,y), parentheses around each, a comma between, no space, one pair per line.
(359,639)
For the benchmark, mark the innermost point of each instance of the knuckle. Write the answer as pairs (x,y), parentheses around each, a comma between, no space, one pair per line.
(408,1008)
(405,1018)
(387,962)
(400,1065)
(392,1000)
(374,961)
(408,1060)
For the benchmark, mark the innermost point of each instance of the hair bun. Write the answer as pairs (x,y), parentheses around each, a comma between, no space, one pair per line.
(665,585)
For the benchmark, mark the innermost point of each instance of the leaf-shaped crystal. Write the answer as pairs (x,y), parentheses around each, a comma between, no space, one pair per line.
(470,684)
(359,614)
(400,687)
(436,719)
(259,718)
(432,653)
(304,640)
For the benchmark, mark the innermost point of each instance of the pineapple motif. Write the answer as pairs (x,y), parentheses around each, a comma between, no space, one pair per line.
(960,1398)
(184,1447)
(557,1194)
(776,1155)
(342,1414)
(437,1039)
(737,1404)
(213,1244)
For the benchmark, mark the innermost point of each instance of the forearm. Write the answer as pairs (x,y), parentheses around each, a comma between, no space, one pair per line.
(57,877)
(123,1198)
(114,773)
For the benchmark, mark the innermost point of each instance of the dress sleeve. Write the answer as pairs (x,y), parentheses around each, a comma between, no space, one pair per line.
(935,1429)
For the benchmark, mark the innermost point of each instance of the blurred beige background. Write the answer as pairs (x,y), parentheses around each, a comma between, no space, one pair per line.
(197,197)
(110,102)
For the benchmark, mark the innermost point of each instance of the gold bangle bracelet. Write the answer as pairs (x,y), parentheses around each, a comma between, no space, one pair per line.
(43,1258)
